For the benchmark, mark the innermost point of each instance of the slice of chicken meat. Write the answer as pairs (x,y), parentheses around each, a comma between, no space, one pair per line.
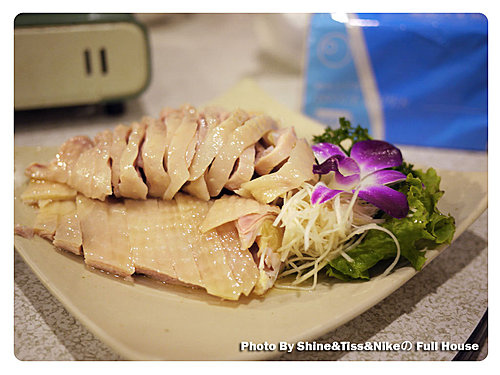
(229,208)
(101,179)
(105,236)
(120,140)
(283,141)
(48,218)
(207,121)
(68,234)
(43,190)
(148,227)
(207,249)
(172,118)
(241,138)
(60,168)
(198,188)
(153,153)
(178,160)
(131,184)
(240,261)
(291,175)
(244,169)
(217,137)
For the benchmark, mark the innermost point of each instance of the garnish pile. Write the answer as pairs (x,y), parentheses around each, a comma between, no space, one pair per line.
(368,207)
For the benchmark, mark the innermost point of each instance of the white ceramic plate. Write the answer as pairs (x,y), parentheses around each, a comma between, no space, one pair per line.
(147,320)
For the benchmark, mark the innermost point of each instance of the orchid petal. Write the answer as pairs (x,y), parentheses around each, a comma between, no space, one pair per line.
(345,166)
(324,151)
(346,172)
(348,166)
(373,155)
(329,165)
(346,183)
(383,177)
(347,177)
(322,194)
(388,200)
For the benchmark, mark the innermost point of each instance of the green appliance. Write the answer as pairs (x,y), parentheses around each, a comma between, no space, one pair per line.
(78,59)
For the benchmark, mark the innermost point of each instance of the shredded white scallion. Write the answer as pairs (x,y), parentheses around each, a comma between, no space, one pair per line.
(316,234)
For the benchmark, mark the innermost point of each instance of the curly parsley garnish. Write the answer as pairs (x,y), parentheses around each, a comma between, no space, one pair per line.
(345,132)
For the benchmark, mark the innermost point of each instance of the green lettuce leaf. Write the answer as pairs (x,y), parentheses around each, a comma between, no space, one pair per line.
(424,228)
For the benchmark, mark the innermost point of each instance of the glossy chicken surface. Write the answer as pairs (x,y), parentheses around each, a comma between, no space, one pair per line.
(186,198)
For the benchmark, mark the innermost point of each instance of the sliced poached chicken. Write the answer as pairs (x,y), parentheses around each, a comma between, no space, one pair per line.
(91,173)
(43,190)
(60,168)
(224,245)
(68,234)
(198,188)
(283,141)
(120,139)
(153,153)
(167,245)
(243,172)
(131,184)
(230,208)
(49,216)
(291,175)
(241,138)
(105,236)
(179,157)
(216,138)
(198,153)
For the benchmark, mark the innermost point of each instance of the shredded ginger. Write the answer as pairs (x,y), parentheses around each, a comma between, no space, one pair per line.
(316,234)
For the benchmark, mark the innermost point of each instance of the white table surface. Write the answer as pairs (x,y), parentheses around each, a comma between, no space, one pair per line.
(196,58)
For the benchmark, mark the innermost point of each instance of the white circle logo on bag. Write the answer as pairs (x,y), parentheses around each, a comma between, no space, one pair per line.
(333,50)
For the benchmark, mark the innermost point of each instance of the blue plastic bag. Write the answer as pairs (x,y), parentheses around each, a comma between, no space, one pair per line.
(419,79)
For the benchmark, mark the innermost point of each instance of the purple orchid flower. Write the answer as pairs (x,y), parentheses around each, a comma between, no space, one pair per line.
(365,171)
